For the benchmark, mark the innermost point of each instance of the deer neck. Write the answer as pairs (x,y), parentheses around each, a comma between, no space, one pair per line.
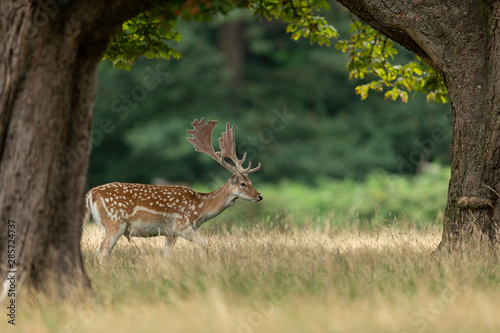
(217,201)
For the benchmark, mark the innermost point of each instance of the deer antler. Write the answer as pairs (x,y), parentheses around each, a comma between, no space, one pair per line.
(228,149)
(202,142)
(202,137)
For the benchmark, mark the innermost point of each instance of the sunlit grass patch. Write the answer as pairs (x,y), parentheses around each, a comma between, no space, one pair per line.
(280,280)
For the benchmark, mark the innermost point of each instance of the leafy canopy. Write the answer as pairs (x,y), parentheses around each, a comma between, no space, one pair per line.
(152,34)
(371,52)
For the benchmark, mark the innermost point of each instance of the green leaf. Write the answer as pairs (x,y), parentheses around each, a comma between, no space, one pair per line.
(403,95)
(371,55)
(297,35)
(363,91)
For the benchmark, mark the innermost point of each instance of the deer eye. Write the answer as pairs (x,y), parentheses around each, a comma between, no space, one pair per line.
(242,184)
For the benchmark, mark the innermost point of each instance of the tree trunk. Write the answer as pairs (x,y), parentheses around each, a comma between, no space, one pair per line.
(49,55)
(472,214)
(232,46)
(461,41)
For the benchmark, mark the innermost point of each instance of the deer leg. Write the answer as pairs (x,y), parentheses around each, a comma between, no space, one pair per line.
(111,236)
(191,235)
(169,245)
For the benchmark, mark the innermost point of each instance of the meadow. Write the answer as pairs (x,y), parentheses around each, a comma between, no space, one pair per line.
(263,279)
(349,263)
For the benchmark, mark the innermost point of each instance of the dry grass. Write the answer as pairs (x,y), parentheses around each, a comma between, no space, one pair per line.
(280,281)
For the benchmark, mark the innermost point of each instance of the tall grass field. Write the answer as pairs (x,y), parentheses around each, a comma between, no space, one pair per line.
(335,256)
(263,279)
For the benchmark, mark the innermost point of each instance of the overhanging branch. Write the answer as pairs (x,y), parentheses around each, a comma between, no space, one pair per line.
(419,27)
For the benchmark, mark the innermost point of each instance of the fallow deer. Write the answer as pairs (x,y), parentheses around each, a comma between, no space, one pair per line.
(139,210)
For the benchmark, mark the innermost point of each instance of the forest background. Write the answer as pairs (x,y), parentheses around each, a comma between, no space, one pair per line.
(324,151)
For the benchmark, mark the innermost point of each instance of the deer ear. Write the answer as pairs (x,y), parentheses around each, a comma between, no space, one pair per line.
(233,179)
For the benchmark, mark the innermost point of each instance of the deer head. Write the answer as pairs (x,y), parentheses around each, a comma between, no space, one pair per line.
(240,185)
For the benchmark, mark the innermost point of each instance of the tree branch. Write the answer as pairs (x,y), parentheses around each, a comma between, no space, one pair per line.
(422,27)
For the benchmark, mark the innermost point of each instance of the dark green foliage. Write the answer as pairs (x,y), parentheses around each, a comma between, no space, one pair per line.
(152,32)
(142,115)
(149,35)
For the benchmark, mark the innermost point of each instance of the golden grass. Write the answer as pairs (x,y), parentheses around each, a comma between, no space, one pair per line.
(280,281)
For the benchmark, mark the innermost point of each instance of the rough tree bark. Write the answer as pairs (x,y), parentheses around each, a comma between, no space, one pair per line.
(461,40)
(49,53)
